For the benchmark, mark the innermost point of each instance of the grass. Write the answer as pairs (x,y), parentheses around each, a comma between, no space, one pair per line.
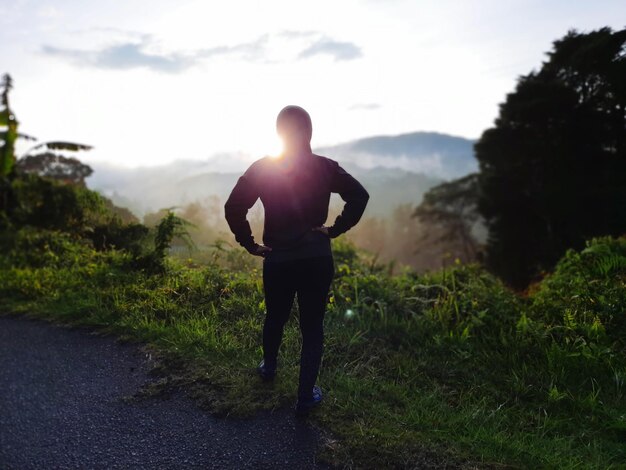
(450,367)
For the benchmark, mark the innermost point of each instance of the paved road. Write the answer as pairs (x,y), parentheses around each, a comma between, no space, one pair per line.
(61,406)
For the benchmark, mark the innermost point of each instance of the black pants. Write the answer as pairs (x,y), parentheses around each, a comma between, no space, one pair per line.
(310,279)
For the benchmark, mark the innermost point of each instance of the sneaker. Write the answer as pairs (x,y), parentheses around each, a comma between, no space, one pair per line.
(265,372)
(304,406)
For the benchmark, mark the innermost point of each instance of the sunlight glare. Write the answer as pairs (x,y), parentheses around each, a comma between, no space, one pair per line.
(275,147)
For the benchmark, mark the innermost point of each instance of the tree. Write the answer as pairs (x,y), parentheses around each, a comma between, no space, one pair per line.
(10,134)
(553,168)
(8,137)
(65,169)
(451,209)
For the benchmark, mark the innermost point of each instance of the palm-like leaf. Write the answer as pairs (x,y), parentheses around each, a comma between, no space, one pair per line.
(57,145)
(26,136)
(74,147)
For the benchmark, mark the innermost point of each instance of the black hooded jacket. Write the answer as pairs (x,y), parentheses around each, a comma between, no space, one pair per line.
(295,193)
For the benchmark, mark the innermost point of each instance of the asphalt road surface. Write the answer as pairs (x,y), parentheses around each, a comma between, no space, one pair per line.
(62,406)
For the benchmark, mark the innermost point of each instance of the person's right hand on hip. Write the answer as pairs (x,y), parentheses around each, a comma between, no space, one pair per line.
(261,250)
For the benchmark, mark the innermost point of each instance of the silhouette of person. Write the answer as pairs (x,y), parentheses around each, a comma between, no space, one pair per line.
(295,191)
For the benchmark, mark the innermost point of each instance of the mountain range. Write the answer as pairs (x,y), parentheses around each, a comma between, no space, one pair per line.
(395,170)
(433,154)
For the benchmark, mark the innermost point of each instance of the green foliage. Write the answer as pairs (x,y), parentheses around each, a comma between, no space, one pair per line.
(71,211)
(130,237)
(171,226)
(553,169)
(47,204)
(32,247)
(10,135)
(592,285)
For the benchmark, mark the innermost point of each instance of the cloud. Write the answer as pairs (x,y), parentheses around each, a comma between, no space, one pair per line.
(135,50)
(48,11)
(122,57)
(291,34)
(336,49)
(364,107)
(254,50)
(114,34)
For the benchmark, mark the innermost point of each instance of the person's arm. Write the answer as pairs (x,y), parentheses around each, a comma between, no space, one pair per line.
(241,199)
(356,198)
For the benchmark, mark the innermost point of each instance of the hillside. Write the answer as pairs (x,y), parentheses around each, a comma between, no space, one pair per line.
(395,169)
(431,153)
(145,193)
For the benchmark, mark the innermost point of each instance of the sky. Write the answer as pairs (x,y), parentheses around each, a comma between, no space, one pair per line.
(148,82)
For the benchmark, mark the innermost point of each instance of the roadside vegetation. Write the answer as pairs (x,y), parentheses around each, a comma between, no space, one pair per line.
(451,364)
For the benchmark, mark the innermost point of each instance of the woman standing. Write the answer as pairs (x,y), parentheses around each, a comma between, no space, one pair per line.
(295,191)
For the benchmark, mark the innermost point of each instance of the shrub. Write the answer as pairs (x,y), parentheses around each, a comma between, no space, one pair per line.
(47,204)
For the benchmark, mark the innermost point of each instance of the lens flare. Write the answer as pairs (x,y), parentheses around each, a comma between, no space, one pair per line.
(275,148)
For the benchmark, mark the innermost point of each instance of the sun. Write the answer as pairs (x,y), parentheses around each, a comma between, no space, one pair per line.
(261,138)
(275,147)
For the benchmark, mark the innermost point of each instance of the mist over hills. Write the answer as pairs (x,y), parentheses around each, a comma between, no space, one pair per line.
(395,170)
(437,155)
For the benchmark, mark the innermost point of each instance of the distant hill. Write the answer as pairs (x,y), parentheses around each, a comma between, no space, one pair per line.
(433,154)
(395,169)
(146,190)
(390,187)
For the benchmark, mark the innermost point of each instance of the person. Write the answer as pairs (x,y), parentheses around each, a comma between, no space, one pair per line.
(295,191)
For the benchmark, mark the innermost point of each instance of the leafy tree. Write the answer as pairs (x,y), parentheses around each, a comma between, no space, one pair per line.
(49,165)
(553,168)
(451,207)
